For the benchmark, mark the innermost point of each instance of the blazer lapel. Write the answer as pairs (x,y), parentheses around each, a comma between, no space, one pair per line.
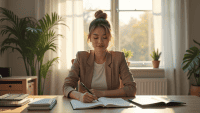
(108,70)
(89,69)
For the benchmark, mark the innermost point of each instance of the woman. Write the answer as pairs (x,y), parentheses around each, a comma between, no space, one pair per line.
(99,69)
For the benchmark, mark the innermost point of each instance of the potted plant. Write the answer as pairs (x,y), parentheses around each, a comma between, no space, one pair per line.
(155,57)
(128,54)
(32,39)
(17,36)
(44,29)
(192,64)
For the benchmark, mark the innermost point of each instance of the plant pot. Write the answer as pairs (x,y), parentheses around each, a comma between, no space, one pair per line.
(155,64)
(195,90)
(128,63)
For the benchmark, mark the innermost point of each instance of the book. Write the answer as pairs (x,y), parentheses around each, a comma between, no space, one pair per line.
(103,102)
(13,97)
(42,102)
(154,101)
(43,106)
(15,103)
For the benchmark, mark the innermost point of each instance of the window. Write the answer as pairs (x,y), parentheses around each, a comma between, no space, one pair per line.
(132,23)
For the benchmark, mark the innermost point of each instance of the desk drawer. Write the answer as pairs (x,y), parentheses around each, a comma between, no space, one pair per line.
(11,87)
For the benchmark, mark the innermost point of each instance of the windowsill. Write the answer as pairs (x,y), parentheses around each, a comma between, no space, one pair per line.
(147,68)
(147,72)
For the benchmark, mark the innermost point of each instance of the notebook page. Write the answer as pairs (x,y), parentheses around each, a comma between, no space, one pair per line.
(146,100)
(114,102)
(80,105)
(166,99)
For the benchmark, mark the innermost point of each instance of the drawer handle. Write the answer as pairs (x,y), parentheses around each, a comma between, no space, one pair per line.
(10,86)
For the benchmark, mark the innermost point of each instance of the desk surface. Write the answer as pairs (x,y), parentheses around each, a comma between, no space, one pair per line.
(63,106)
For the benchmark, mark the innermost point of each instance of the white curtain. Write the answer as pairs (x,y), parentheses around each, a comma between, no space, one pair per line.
(73,41)
(171,37)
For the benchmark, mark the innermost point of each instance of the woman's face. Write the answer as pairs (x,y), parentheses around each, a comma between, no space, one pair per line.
(99,39)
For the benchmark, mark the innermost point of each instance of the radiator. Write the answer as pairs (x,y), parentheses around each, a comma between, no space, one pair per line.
(151,86)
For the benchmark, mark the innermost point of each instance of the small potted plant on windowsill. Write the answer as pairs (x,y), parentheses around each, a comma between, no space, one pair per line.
(128,54)
(155,57)
(192,64)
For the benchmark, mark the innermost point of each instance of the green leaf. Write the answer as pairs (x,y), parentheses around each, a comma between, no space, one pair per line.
(196,42)
(155,55)
(128,54)
(189,74)
(192,58)
(45,67)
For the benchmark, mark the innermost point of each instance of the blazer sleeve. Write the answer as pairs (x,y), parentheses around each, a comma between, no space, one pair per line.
(70,82)
(127,78)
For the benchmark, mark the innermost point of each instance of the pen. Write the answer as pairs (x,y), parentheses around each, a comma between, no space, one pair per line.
(87,89)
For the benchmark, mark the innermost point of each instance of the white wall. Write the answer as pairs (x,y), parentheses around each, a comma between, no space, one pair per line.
(3,57)
(194,25)
(194,21)
(22,8)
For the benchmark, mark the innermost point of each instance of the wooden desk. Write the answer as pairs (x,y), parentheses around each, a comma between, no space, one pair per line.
(63,106)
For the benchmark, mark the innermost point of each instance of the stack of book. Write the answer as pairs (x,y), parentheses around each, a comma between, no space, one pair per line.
(42,104)
(14,99)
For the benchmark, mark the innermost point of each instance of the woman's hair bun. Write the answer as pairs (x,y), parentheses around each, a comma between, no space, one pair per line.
(100,14)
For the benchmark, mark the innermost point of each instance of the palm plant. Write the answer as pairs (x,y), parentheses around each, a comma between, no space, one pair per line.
(45,43)
(192,63)
(18,36)
(38,38)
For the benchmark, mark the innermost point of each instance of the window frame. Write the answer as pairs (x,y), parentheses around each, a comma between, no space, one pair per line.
(115,24)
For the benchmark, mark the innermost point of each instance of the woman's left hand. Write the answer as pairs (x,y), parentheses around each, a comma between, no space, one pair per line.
(97,93)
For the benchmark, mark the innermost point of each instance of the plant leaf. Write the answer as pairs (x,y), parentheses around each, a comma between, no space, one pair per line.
(192,57)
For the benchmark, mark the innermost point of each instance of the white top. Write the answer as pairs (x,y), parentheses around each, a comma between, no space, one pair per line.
(99,77)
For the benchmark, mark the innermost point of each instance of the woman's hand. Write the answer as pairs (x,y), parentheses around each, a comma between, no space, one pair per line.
(97,93)
(87,97)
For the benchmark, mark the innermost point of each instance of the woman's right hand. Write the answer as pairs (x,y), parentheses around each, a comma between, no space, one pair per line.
(87,97)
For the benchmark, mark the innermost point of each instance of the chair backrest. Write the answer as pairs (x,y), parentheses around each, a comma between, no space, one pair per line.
(80,87)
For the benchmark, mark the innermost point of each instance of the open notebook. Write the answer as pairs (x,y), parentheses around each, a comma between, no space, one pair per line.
(103,102)
(154,101)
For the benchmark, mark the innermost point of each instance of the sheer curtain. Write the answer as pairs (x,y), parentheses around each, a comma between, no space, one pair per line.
(73,41)
(171,26)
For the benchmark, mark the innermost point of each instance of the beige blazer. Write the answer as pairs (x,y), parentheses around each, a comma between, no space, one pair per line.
(83,67)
